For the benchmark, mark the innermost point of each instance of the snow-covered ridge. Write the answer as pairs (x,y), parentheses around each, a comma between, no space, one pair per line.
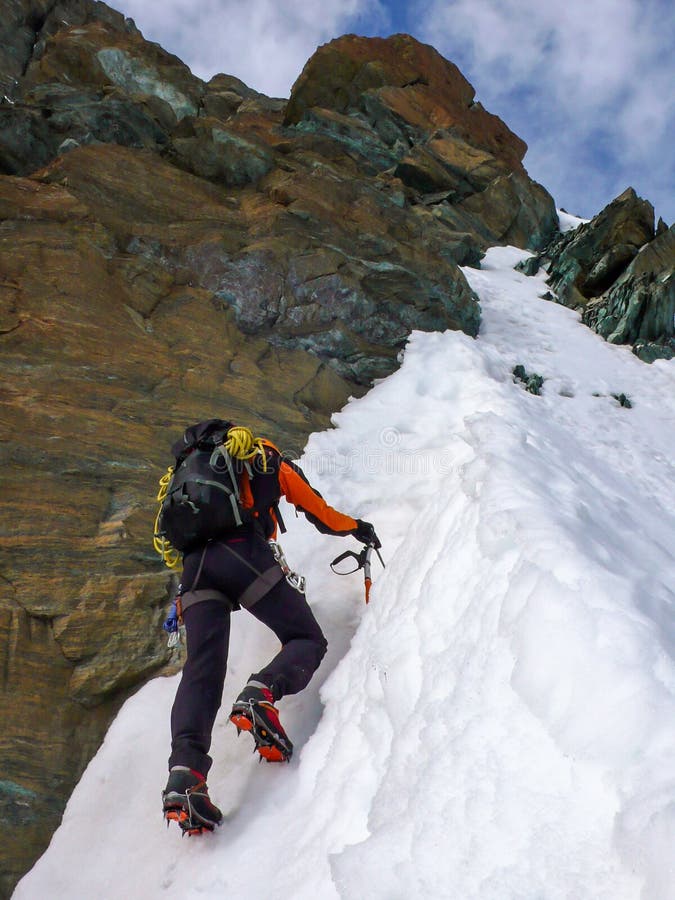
(568,222)
(497,723)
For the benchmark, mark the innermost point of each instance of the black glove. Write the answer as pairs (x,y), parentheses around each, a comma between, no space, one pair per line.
(366,534)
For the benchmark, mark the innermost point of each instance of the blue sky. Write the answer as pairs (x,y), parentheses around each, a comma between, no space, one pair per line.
(588,84)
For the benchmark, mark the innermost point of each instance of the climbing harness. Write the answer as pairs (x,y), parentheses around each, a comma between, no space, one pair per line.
(262,584)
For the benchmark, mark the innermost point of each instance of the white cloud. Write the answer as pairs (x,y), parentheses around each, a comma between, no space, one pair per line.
(591,46)
(597,74)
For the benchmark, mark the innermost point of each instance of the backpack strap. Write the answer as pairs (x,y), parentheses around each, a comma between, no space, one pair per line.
(279,517)
(234,478)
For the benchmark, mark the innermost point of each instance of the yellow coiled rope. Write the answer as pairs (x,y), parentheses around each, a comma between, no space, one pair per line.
(170,556)
(240,444)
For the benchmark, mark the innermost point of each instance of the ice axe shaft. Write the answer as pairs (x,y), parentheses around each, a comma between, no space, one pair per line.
(366,570)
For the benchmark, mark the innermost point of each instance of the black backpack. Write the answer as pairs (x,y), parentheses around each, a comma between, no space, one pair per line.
(202,497)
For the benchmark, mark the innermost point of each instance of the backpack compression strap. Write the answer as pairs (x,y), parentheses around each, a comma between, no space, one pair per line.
(221,450)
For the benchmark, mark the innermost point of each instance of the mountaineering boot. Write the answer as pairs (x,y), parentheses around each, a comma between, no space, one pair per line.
(186,801)
(254,711)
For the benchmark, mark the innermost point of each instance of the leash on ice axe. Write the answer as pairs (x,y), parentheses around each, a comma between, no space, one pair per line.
(349,562)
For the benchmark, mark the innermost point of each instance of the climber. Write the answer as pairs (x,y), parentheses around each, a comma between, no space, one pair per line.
(240,566)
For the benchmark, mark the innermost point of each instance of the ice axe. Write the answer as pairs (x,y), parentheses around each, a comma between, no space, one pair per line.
(349,561)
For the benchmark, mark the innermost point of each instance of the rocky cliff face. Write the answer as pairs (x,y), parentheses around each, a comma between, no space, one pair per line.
(171,250)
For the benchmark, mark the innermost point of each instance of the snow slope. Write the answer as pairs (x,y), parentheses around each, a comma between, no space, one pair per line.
(498,722)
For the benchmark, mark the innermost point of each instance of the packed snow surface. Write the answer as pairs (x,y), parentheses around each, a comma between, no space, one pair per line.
(498,722)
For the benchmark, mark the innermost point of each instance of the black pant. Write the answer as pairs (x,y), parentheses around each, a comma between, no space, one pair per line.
(207,627)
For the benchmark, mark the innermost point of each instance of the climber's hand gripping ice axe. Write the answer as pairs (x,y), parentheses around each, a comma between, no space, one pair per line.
(349,562)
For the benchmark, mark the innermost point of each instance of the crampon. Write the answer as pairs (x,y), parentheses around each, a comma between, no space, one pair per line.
(186,801)
(254,711)
(185,822)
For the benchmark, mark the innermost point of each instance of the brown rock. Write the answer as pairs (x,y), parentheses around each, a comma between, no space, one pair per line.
(512,209)
(404,108)
(618,269)
(411,80)
(25,26)
(213,151)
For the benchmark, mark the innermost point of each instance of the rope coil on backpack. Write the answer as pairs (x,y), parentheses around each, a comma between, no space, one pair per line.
(170,556)
(241,444)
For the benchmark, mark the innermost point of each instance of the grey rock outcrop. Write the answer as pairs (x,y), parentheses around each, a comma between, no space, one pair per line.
(639,308)
(620,273)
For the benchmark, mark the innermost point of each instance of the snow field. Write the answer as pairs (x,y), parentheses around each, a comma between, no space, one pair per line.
(498,722)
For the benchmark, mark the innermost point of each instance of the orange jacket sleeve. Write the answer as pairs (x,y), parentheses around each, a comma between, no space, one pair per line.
(298,491)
